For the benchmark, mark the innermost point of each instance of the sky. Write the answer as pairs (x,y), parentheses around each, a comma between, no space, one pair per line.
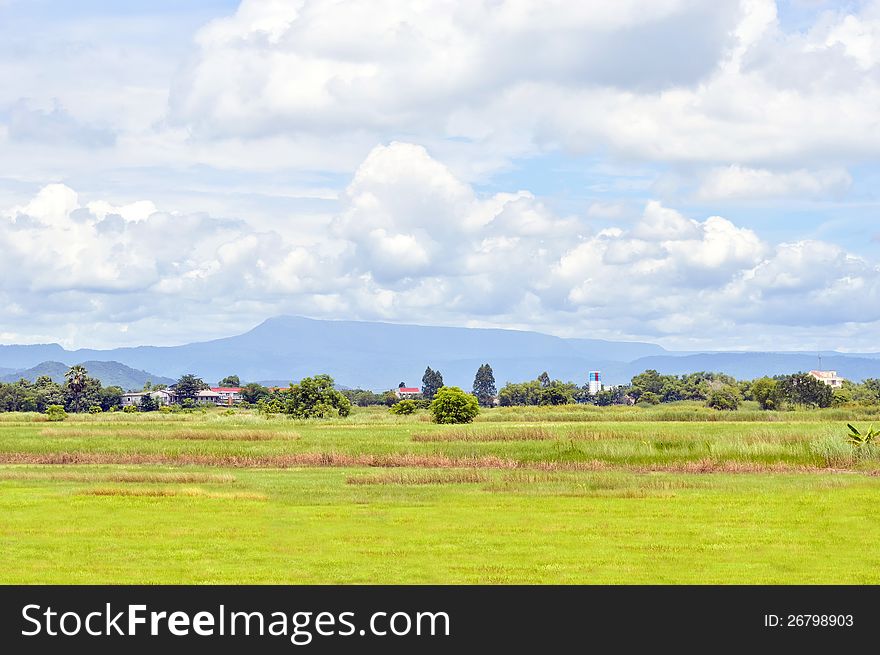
(701,174)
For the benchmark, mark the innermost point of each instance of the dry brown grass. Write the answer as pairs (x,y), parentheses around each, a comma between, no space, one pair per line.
(513,434)
(414,478)
(503,434)
(261,461)
(130,477)
(188,492)
(178,435)
(291,460)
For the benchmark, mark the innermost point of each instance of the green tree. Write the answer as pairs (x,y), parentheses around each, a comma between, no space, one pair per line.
(764,391)
(802,389)
(188,387)
(431,382)
(649,398)
(727,397)
(111,397)
(253,392)
(75,381)
(649,381)
(484,386)
(316,398)
(148,403)
(544,380)
(452,405)
(230,381)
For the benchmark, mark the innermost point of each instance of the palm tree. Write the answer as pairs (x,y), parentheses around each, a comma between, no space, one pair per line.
(75,381)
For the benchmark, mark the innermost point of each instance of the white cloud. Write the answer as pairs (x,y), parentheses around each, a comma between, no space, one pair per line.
(736,181)
(414,240)
(666,81)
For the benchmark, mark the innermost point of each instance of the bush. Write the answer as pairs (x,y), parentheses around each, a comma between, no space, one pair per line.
(56,413)
(130,409)
(649,398)
(452,405)
(403,407)
(95,409)
(725,398)
(165,409)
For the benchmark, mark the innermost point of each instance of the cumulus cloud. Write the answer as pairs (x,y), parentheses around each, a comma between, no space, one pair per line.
(739,182)
(412,239)
(665,81)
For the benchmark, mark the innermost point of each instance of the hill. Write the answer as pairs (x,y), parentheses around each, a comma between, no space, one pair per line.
(109,373)
(380,355)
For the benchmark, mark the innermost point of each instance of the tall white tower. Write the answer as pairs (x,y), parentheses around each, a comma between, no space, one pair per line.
(595,383)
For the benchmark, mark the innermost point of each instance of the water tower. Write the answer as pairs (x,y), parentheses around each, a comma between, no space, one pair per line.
(595,382)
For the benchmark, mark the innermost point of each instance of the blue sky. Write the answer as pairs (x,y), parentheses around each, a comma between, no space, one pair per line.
(697,174)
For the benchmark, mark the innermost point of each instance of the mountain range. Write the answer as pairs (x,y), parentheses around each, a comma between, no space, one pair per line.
(379,356)
(109,373)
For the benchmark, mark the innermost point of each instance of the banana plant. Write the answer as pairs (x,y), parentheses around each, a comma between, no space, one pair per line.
(859,439)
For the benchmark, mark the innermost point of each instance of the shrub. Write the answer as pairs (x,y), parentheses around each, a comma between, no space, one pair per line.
(165,409)
(95,409)
(725,398)
(452,405)
(764,391)
(403,407)
(130,409)
(56,413)
(649,398)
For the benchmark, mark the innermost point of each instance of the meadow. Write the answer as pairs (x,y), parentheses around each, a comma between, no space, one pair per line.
(574,494)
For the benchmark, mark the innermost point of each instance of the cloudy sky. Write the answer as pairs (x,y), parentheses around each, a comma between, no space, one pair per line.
(696,173)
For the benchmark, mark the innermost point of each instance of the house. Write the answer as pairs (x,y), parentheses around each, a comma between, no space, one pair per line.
(162,397)
(208,397)
(406,392)
(228,395)
(828,377)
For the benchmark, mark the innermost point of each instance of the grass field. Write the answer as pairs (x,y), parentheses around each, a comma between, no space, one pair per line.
(674,494)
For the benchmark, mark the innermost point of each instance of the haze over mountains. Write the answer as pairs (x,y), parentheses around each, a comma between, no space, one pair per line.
(380,355)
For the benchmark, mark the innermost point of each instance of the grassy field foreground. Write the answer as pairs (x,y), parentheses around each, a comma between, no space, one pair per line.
(576,495)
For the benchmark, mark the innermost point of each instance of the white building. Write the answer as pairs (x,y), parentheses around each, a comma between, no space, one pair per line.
(595,382)
(162,397)
(828,377)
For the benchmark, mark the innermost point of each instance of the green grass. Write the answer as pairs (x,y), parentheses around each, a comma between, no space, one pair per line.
(567,499)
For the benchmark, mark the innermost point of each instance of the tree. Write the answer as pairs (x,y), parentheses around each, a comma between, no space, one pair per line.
(316,398)
(111,397)
(148,403)
(253,392)
(544,379)
(75,381)
(230,381)
(452,405)
(484,386)
(188,387)
(649,398)
(764,391)
(431,382)
(648,382)
(558,393)
(727,397)
(802,389)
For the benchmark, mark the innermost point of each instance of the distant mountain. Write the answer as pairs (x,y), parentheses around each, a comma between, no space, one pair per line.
(381,355)
(109,373)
